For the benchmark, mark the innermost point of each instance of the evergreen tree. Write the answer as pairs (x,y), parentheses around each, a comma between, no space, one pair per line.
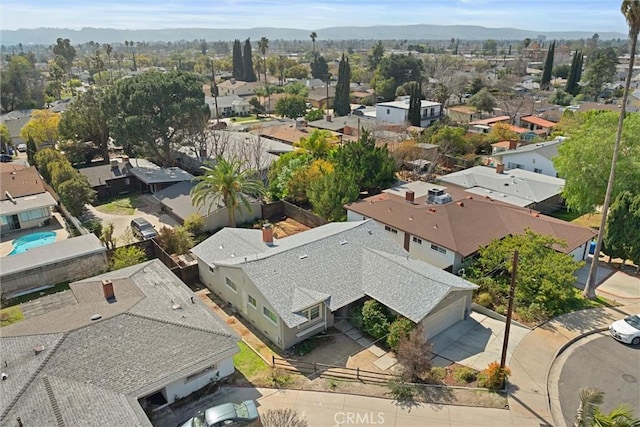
(341,103)
(574,77)
(321,69)
(548,66)
(247,63)
(238,66)
(415,90)
(32,148)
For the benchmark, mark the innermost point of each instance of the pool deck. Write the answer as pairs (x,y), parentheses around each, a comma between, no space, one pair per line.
(57,226)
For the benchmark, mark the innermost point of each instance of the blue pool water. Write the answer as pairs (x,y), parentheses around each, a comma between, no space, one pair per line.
(32,240)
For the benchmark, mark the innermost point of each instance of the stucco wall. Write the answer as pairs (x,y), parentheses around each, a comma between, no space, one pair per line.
(182,387)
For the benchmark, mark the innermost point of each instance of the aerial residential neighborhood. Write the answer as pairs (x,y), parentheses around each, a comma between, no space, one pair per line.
(324,214)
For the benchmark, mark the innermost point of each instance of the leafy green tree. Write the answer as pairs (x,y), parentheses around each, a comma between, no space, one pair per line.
(561,71)
(238,66)
(297,88)
(545,275)
(313,115)
(450,141)
(63,49)
(377,53)
(176,241)
(490,47)
(43,158)
(372,166)
(374,319)
(60,172)
(399,329)
(483,101)
(601,69)
(56,80)
(87,119)
(476,85)
(247,63)
(32,148)
(545,80)
(155,113)
(574,73)
(622,232)
(127,256)
(415,103)
(579,160)
(20,85)
(283,169)
(297,72)
(329,194)
(302,178)
(75,194)
(341,104)
(42,128)
(320,70)
(5,136)
(263,45)
(106,235)
(561,97)
(401,68)
(292,106)
(229,183)
(194,224)
(319,143)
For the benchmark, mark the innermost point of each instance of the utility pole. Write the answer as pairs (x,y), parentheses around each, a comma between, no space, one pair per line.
(507,327)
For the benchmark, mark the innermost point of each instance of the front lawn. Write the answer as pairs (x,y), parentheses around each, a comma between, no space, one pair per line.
(122,206)
(10,315)
(249,364)
(591,220)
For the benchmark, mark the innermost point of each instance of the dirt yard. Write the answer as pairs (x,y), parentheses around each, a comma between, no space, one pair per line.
(287,227)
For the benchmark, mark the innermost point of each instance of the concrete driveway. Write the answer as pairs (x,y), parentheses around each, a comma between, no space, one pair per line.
(475,342)
(611,284)
(150,210)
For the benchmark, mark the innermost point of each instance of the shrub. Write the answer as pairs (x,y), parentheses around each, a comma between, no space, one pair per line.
(194,224)
(493,377)
(414,354)
(282,418)
(400,328)
(374,319)
(280,377)
(436,374)
(304,347)
(464,374)
(501,309)
(126,257)
(533,313)
(175,240)
(484,299)
(355,316)
(93,226)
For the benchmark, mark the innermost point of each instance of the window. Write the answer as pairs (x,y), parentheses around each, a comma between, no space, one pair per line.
(536,170)
(438,249)
(417,240)
(33,215)
(252,301)
(311,313)
(211,269)
(432,112)
(269,315)
(391,230)
(388,111)
(230,284)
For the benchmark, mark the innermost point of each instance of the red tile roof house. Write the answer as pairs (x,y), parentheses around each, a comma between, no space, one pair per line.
(537,124)
(445,228)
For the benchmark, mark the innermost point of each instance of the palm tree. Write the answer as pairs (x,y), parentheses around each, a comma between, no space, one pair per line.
(589,397)
(314,36)
(109,49)
(631,11)
(263,45)
(226,182)
(318,144)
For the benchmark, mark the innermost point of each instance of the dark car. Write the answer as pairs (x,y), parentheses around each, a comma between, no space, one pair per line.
(5,158)
(143,229)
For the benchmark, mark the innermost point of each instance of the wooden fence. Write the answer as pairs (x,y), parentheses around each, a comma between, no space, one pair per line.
(283,208)
(331,371)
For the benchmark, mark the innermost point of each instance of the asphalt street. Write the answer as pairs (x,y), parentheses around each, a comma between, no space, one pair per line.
(602,362)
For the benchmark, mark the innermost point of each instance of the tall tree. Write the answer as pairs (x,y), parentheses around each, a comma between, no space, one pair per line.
(42,128)
(21,85)
(155,113)
(572,83)
(87,120)
(314,36)
(263,45)
(32,149)
(601,69)
(229,183)
(341,103)
(292,106)
(415,102)
(64,49)
(321,69)
(483,101)
(247,63)
(545,80)
(631,11)
(238,66)
(319,143)
(622,233)
(331,192)
(377,53)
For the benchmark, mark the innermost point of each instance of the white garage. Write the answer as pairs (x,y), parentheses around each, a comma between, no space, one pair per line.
(447,316)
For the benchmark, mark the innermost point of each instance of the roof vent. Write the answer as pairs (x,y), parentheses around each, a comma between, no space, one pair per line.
(38,349)
(344,242)
(431,210)
(303,256)
(176,306)
(96,317)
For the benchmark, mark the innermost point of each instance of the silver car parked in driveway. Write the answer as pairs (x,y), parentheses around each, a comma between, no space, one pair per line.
(226,415)
(143,229)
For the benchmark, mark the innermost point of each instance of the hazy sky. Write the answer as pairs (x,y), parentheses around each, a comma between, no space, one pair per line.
(543,15)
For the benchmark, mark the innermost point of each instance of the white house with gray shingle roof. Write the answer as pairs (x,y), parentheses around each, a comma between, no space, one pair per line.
(155,338)
(295,287)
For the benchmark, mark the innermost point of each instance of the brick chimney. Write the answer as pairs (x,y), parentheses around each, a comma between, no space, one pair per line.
(267,234)
(500,168)
(513,144)
(328,117)
(107,288)
(409,196)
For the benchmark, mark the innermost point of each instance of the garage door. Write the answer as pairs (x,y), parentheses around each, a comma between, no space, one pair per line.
(444,318)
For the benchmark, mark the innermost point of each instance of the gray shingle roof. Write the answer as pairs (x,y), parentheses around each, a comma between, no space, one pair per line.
(327,263)
(150,173)
(94,371)
(100,175)
(547,149)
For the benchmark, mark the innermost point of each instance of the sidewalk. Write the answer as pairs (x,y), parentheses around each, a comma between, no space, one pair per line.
(531,362)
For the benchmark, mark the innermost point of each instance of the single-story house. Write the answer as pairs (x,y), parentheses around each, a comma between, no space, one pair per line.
(537,124)
(228,106)
(112,179)
(176,201)
(110,348)
(516,187)
(444,226)
(295,287)
(154,178)
(536,157)
(24,201)
(320,97)
(462,114)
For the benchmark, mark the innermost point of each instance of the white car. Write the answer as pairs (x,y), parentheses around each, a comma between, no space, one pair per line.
(627,330)
(22,147)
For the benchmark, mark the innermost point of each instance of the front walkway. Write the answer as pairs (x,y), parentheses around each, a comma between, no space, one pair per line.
(382,359)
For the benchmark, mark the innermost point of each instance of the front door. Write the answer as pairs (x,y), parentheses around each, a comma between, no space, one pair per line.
(407,238)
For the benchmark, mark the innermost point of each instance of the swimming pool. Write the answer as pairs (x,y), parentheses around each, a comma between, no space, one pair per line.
(32,240)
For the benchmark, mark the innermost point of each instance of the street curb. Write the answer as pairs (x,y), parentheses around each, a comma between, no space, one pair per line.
(558,352)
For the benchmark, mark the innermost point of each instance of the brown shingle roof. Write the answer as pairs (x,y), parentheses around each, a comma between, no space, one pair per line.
(466,224)
(20,183)
(538,121)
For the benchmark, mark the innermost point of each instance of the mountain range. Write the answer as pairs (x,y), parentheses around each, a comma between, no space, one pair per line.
(48,36)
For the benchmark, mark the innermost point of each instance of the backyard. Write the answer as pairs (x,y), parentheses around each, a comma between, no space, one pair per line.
(120,206)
